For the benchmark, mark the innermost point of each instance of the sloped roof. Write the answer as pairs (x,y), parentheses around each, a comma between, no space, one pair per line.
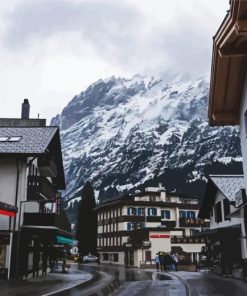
(33,140)
(229,185)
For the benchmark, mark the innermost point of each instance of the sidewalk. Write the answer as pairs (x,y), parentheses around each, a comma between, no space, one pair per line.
(208,284)
(46,284)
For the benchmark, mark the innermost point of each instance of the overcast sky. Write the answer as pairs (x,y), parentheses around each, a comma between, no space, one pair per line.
(51,50)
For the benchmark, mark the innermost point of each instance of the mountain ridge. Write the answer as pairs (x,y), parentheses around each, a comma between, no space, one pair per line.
(124,133)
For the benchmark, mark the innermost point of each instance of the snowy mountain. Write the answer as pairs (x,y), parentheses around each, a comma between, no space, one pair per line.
(125,133)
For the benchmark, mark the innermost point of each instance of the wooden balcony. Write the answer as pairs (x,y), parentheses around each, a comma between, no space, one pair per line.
(188,240)
(192,222)
(40,219)
(168,224)
(47,167)
(38,186)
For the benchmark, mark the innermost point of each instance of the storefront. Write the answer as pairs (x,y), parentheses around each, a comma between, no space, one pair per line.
(7,213)
(41,246)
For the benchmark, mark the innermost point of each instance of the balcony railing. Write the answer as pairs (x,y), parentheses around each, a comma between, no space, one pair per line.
(171,224)
(47,167)
(40,185)
(40,219)
(192,222)
(187,240)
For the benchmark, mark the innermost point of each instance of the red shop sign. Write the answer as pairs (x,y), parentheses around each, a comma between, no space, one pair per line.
(7,213)
(159,236)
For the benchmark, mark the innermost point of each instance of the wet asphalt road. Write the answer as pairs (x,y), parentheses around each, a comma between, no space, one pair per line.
(109,280)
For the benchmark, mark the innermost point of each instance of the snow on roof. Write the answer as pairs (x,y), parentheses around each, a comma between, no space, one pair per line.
(229,185)
(25,140)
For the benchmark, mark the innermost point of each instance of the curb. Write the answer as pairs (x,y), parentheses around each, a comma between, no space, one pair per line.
(184,282)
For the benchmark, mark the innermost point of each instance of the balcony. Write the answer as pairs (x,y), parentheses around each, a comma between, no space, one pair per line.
(188,240)
(192,222)
(153,218)
(37,185)
(40,219)
(47,167)
(47,219)
(169,224)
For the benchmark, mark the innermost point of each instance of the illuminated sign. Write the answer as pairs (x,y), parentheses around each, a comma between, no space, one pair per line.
(240,198)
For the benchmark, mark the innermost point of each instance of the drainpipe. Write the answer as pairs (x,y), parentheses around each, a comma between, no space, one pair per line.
(12,259)
(16,189)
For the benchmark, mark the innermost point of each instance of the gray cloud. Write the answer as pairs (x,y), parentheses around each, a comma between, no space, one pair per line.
(114,29)
(96,21)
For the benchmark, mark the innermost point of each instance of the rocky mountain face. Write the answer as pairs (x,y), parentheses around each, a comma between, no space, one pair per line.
(126,134)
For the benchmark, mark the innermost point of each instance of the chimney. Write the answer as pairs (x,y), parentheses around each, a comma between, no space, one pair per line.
(25,109)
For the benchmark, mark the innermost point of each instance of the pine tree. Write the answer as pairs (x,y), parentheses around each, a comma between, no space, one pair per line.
(86,232)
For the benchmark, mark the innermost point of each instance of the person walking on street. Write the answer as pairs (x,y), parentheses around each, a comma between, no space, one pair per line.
(174,257)
(157,262)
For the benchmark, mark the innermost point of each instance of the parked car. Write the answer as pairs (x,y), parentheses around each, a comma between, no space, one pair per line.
(89,258)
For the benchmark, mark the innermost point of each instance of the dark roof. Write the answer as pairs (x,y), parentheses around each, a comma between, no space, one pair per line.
(33,140)
(229,185)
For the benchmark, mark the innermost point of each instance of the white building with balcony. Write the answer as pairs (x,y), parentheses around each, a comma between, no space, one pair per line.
(133,228)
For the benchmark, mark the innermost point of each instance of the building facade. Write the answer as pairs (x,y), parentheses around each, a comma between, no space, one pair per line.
(132,229)
(225,248)
(31,175)
(228,88)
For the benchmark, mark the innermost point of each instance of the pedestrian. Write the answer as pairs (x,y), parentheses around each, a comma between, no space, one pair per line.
(174,257)
(157,261)
(44,262)
(162,261)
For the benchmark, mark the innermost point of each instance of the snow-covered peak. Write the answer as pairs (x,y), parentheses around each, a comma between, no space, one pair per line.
(125,132)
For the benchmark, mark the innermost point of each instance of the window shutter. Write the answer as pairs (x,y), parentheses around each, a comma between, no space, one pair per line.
(168,214)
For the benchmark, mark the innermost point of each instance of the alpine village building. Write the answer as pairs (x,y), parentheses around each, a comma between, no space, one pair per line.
(33,228)
(225,200)
(132,229)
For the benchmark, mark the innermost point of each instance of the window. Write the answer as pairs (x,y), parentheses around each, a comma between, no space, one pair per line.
(226,205)
(194,231)
(4,139)
(115,257)
(191,214)
(182,214)
(152,212)
(14,139)
(187,214)
(218,213)
(165,214)
(131,211)
(142,225)
(152,198)
(129,226)
(141,211)
(105,256)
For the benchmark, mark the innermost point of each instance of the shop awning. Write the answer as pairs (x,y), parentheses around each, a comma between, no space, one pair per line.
(7,210)
(65,240)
